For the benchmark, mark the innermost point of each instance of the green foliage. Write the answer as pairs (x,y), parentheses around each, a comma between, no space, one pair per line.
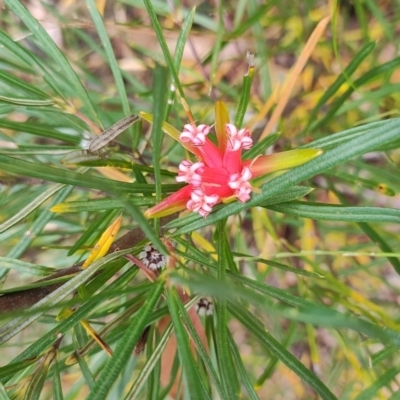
(299,284)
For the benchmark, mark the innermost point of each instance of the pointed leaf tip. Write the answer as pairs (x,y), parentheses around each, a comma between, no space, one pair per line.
(102,246)
(263,165)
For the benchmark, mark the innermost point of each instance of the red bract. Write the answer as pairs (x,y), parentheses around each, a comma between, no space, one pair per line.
(220,174)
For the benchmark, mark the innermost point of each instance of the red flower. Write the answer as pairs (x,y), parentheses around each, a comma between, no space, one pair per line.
(220,174)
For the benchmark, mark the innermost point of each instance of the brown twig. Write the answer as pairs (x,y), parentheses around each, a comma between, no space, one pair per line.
(23,299)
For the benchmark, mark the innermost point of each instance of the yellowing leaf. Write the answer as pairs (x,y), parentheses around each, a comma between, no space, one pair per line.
(65,313)
(106,240)
(204,244)
(96,337)
(221,119)
(279,161)
(114,174)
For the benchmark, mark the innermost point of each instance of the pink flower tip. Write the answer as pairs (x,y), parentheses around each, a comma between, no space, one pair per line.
(240,183)
(195,135)
(190,172)
(201,203)
(238,139)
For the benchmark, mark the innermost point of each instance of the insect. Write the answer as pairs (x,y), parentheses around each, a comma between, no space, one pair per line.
(111,133)
(96,146)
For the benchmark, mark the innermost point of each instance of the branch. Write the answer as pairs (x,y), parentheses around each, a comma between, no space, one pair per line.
(23,299)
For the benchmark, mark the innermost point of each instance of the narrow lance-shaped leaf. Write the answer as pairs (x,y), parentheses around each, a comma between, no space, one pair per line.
(341,79)
(106,42)
(20,322)
(245,92)
(51,48)
(150,364)
(37,227)
(267,340)
(221,119)
(47,172)
(332,212)
(180,47)
(26,102)
(102,246)
(159,94)
(201,349)
(126,345)
(193,381)
(228,372)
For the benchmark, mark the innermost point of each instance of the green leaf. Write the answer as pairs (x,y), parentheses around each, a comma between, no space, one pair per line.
(51,48)
(39,130)
(193,382)
(341,79)
(179,49)
(56,382)
(33,205)
(105,40)
(150,364)
(384,380)
(381,355)
(100,204)
(47,172)
(26,102)
(200,348)
(164,47)
(86,373)
(270,368)
(36,382)
(36,228)
(279,265)
(28,58)
(367,183)
(13,368)
(160,97)
(3,393)
(17,324)
(245,92)
(332,212)
(383,20)
(374,236)
(145,226)
(371,75)
(270,343)
(228,372)
(126,345)
(44,342)
(19,84)
(300,310)
(240,368)
(338,138)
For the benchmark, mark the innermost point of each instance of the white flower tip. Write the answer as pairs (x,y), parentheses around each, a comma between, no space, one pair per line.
(240,182)
(152,258)
(204,307)
(238,139)
(195,134)
(202,203)
(190,173)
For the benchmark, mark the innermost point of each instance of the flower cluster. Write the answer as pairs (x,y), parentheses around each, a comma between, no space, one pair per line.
(152,258)
(204,307)
(220,174)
